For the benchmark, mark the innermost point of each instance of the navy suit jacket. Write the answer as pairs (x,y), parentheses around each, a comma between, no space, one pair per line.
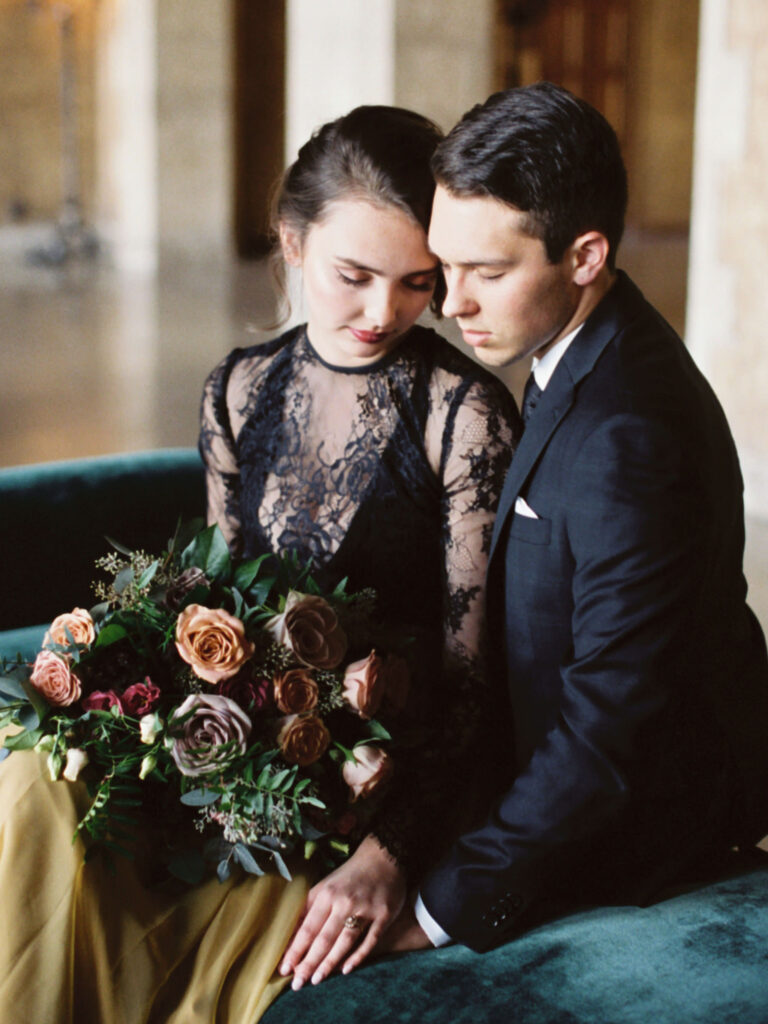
(636,674)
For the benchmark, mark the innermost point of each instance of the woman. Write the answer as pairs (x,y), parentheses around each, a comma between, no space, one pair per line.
(369,445)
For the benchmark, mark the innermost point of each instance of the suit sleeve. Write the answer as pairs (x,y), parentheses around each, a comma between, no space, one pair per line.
(633,534)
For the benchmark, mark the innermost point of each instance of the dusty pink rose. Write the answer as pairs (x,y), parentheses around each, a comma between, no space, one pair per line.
(364,685)
(54,679)
(212,641)
(370,769)
(102,700)
(397,681)
(79,624)
(303,739)
(216,730)
(295,691)
(141,698)
(309,627)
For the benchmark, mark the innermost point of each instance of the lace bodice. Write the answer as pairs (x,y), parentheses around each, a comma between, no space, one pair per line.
(389,475)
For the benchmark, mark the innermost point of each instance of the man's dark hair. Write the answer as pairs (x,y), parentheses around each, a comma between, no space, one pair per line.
(546,152)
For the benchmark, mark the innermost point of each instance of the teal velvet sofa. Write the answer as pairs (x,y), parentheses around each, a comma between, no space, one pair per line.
(694,957)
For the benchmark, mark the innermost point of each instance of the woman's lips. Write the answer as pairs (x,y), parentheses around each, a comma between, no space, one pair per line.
(369,337)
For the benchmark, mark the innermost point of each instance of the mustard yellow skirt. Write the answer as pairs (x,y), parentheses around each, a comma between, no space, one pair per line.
(80,943)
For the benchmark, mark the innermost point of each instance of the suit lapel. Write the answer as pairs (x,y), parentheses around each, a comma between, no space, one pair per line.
(613,312)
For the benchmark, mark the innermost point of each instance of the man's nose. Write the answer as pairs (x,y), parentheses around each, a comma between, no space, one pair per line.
(457,301)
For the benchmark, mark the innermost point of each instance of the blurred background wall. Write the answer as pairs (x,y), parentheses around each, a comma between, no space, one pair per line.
(182,112)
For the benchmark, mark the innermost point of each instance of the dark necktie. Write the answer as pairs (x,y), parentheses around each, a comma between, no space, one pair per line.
(531,396)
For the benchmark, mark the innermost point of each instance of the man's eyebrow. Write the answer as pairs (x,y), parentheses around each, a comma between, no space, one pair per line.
(471,264)
(372,270)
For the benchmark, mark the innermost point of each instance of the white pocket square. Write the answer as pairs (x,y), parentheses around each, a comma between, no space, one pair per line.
(522,508)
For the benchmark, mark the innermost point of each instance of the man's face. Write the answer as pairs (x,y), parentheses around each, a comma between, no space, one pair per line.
(508,299)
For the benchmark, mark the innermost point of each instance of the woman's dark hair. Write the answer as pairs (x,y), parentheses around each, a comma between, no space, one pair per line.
(547,153)
(375,153)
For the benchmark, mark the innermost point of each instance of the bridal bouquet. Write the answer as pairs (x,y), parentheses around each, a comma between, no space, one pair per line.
(234,694)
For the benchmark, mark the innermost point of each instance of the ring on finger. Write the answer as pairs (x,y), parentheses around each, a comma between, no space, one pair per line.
(353,922)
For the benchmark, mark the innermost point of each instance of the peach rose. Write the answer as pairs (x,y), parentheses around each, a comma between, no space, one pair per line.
(309,627)
(212,641)
(54,679)
(214,730)
(364,685)
(295,691)
(79,624)
(303,739)
(370,769)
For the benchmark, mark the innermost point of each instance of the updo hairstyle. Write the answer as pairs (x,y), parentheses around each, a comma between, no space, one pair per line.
(377,154)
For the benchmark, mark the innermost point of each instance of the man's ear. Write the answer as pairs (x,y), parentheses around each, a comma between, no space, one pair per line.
(290,243)
(589,255)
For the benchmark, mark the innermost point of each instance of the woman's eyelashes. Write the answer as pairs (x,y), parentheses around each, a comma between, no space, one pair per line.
(420,285)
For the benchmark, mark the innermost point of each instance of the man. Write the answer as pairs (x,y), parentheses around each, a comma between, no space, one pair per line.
(637,675)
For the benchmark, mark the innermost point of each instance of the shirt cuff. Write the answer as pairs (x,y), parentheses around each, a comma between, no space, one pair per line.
(429,925)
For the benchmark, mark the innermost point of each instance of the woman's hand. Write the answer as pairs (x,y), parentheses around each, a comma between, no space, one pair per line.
(367,892)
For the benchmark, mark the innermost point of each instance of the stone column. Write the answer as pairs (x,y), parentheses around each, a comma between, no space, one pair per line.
(727,316)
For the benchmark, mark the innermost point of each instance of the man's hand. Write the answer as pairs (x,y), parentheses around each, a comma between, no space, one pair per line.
(403,935)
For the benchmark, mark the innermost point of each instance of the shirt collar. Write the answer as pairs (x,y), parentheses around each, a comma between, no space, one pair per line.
(544,367)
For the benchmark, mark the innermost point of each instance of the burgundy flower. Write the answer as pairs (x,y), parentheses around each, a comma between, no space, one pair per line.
(253,695)
(102,700)
(141,698)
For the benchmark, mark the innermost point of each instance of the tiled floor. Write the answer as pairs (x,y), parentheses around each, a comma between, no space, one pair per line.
(95,362)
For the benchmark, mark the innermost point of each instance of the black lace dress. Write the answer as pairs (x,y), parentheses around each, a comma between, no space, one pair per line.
(389,475)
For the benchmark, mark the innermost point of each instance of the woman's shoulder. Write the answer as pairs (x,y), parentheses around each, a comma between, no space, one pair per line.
(248,361)
(451,370)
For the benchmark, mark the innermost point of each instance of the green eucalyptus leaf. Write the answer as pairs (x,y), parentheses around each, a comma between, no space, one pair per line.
(245,858)
(12,689)
(23,740)
(281,866)
(148,575)
(200,798)
(29,717)
(123,579)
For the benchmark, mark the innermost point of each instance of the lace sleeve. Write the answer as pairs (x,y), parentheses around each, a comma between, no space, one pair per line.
(480,432)
(217,448)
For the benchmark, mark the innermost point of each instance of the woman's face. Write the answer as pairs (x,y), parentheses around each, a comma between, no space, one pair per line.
(367,277)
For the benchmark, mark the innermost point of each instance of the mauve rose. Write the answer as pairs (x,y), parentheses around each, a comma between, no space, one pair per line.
(78,623)
(364,685)
(212,641)
(397,681)
(54,679)
(295,691)
(303,739)
(370,769)
(309,627)
(141,698)
(102,700)
(215,731)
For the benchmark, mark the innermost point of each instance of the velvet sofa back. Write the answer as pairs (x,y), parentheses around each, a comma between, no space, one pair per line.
(55,519)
